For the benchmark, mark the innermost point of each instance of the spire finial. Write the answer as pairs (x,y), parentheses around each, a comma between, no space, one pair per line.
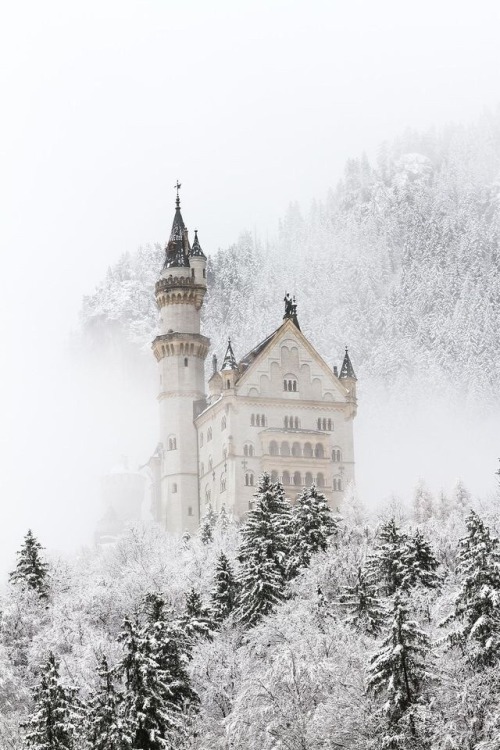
(291,309)
(177,186)
(229,358)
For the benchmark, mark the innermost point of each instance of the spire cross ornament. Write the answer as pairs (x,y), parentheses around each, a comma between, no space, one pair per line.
(177,186)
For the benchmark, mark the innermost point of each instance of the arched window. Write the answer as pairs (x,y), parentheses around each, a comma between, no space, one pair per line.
(186,361)
(336,455)
(297,479)
(337,484)
(290,383)
(296,451)
(319,424)
(190,510)
(309,479)
(228,384)
(209,434)
(262,420)
(252,420)
(320,480)
(286,477)
(274,476)
(223,423)
(330,425)
(249,479)
(308,451)
(251,451)
(273,448)
(319,451)
(285,448)
(223,483)
(286,423)
(204,273)
(296,423)
(192,273)
(172,443)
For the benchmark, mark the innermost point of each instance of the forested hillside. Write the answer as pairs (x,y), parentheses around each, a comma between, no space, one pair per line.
(301,629)
(401,261)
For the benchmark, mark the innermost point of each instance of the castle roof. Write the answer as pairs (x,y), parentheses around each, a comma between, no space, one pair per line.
(196,251)
(177,249)
(229,358)
(347,370)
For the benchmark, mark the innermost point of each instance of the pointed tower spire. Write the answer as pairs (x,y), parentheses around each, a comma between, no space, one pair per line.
(177,249)
(229,358)
(196,250)
(347,370)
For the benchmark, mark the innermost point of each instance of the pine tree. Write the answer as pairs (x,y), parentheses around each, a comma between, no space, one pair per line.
(477,604)
(151,718)
(313,525)
(418,562)
(224,590)
(196,621)
(264,552)
(31,571)
(384,567)
(207,526)
(422,503)
(365,610)
(399,672)
(223,520)
(53,721)
(105,729)
(460,498)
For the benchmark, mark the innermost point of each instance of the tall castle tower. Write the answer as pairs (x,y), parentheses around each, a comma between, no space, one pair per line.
(180,351)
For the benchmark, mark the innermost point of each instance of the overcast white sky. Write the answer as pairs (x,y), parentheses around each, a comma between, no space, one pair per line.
(250,104)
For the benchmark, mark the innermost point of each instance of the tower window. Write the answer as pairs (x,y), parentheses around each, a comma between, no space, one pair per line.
(204,273)
(172,443)
(186,362)
(228,384)
(249,479)
(192,273)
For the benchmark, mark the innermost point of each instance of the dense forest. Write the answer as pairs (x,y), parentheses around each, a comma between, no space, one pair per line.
(400,261)
(300,629)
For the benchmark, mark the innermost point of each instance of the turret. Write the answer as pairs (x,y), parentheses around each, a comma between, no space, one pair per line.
(347,376)
(180,350)
(229,369)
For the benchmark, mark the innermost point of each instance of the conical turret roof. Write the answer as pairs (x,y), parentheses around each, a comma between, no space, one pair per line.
(196,250)
(229,358)
(347,370)
(177,249)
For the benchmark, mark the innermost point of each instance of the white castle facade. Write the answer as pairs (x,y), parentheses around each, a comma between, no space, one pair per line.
(280,409)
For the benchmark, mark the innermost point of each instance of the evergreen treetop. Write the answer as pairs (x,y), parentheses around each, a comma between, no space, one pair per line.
(313,524)
(31,571)
(224,590)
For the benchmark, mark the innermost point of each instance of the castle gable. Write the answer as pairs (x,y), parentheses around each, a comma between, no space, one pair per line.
(286,362)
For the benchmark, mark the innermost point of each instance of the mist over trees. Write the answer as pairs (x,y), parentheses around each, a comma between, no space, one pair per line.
(400,261)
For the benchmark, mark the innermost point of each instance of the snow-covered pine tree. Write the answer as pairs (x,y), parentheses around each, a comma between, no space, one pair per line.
(423,506)
(150,717)
(31,571)
(56,713)
(461,499)
(223,520)
(313,525)
(365,610)
(224,590)
(169,645)
(266,540)
(196,621)
(399,672)
(207,526)
(418,562)
(477,604)
(384,566)
(104,726)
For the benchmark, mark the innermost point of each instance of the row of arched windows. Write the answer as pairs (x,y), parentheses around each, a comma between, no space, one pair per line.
(325,424)
(296,479)
(258,420)
(291,423)
(284,449)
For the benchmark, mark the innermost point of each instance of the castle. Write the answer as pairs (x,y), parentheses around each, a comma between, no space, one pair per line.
(279,409)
